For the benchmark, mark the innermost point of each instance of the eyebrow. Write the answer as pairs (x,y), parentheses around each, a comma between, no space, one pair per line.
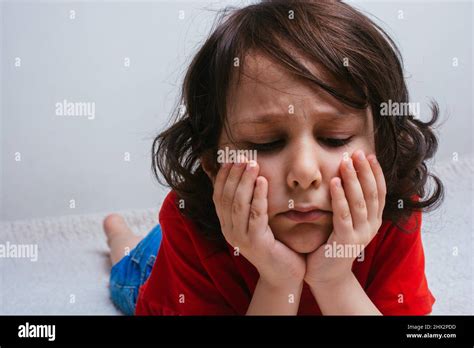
(278,117)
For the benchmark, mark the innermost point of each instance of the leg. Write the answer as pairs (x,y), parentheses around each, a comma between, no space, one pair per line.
(120,237)
(130,270)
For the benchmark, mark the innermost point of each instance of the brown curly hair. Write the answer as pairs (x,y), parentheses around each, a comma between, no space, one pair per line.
(327,32)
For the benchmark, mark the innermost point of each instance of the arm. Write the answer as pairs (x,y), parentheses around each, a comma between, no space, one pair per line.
(343,297)
(357,216)
(271,300)
(241,200)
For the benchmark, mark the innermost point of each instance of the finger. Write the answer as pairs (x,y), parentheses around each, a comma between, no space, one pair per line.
(381,185)
(258,219)
(342,219)
(354,194)
(368,184)
(220,180)
(243,198)
(230,187)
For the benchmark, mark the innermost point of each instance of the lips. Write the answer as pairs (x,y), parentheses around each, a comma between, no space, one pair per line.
(305,214)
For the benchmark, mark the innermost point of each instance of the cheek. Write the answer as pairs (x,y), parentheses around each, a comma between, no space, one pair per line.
(330,164)
(271,169)
(366,143)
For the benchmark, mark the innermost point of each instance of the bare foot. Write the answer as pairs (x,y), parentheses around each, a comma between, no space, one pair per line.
(120,238)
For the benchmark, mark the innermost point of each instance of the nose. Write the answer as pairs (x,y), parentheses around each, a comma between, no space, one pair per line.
(304,167)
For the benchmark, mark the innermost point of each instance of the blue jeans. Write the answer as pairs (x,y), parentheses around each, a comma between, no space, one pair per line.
(127,275)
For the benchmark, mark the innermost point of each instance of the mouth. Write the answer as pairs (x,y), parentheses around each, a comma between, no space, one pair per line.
(307,214)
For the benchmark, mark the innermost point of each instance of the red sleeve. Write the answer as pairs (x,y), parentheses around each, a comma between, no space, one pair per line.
(397,284)
(179,283)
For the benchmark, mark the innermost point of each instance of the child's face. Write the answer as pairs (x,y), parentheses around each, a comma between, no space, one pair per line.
(300,163)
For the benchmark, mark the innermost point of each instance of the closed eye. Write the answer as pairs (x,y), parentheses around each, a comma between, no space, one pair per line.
(333,142)
(274,145)
(268,146)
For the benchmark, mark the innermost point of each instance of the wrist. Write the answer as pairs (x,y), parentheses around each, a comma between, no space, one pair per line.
(286,286)
(331,283)
(271,299)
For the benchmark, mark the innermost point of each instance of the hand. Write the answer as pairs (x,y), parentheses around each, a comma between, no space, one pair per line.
(241,204)
(357,208)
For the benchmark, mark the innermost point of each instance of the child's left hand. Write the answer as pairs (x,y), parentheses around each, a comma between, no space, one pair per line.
(357,215)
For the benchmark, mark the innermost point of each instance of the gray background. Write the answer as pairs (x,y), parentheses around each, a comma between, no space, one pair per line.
(66,158)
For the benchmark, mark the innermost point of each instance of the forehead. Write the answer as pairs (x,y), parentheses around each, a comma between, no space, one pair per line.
(266,88)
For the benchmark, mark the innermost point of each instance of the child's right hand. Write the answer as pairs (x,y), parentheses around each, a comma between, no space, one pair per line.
(242,209)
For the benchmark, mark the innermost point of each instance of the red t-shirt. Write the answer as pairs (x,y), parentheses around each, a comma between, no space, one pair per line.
(195,276)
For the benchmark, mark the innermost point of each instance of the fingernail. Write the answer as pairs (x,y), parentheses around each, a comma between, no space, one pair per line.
(349,164)
(361,155)
(338,182)
(250,165)
(373,159)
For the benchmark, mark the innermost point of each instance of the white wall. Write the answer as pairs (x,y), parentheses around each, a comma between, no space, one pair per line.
(82,59)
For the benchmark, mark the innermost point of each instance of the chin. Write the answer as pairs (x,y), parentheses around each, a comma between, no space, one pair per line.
(303,238)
